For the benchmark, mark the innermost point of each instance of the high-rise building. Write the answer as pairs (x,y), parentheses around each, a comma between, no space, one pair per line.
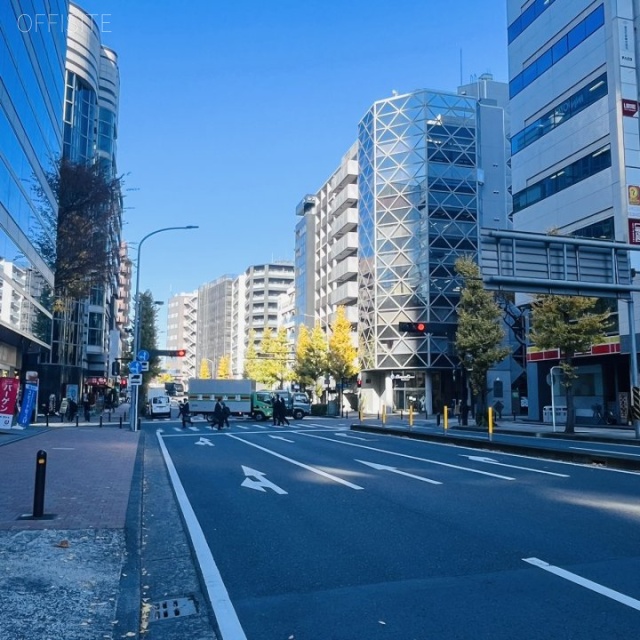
(182,320)
(432,171)
(32,88)
(326,247)
(576,156)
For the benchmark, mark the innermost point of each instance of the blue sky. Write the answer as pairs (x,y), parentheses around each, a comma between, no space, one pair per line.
(231,112)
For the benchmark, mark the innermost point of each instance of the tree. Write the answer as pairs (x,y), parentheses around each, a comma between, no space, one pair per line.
(252,364)
(341,354)
(572,325)
(74,241)
(311,355)
(479,334)
(149,336)
(224,368)
(204,372)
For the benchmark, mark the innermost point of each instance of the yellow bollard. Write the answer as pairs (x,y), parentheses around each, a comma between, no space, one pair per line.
(445,423)
(384,414)
(490,411)
(360,415)
(411,416)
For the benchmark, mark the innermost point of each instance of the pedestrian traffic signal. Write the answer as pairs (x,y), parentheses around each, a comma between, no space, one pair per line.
(413,327)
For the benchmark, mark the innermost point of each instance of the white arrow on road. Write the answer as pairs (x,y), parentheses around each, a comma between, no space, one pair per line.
(281,438)
(260,482)
(346,435)
(384,467)
(205,442)
(513,466)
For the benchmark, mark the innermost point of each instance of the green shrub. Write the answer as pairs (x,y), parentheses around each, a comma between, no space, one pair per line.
(318,409)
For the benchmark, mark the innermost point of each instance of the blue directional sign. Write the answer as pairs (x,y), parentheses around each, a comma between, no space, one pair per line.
(135,367)
(143,356)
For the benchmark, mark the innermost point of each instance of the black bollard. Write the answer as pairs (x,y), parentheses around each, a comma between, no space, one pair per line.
(41,474)
(109,417)
(77,419)
(101,422)
(62,417)
(401,415)
(46,418)
(121,422)
(437,419)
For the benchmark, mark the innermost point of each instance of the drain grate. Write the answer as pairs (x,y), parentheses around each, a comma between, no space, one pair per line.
(174,608)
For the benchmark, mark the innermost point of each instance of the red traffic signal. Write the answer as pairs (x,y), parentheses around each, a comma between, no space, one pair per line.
(181,353)
(413,327)
(168,353)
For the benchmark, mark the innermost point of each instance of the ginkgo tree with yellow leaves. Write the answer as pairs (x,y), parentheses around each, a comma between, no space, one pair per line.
(224,368)
(311,356)
(342,356)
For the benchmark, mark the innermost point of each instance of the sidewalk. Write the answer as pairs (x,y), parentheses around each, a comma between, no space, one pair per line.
(109,554)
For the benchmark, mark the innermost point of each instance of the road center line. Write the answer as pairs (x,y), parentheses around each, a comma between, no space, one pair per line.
(324,474)
(587,584)
(405,455)
(225,613)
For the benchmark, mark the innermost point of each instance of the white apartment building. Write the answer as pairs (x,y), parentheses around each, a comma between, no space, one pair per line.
(326,248)
(576,153)
(182,312)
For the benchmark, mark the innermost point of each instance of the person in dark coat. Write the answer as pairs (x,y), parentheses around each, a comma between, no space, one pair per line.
(274,408)
(184,413)
(226,412)
(282,410)
(218,416)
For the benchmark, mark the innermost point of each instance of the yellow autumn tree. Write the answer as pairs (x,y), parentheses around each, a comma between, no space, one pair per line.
(224,368)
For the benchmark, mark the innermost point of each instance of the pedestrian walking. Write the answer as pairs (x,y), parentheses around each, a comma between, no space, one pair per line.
(282,410)
(274,408)
(217,415)
(226,412)
(183,411)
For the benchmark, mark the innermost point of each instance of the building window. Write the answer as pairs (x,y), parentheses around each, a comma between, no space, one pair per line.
(559,50)
(563,178)
(527,17)
(96,321)
(568,108)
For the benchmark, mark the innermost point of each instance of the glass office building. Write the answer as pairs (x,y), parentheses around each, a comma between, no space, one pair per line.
(32,68)
(430,164)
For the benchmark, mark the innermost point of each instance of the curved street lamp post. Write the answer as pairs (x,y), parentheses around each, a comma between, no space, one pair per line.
(133,418)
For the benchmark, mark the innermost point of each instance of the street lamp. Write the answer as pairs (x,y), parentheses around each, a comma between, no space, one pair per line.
(133,418)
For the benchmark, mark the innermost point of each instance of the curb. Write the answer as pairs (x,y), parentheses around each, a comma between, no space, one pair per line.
(581,457)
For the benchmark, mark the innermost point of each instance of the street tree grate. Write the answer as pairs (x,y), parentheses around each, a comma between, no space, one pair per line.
(173,608)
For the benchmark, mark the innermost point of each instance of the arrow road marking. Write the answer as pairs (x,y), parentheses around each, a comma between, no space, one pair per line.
(260,483)
(405,455)
(281,438)
(513,466)
(583,582)
(384,467)
(346,435)
(205,442)
(324,474)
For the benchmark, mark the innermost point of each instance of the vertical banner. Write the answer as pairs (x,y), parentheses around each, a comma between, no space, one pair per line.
(29,398)
(8,396)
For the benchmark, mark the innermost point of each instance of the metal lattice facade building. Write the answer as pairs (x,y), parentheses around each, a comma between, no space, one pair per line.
(429,161)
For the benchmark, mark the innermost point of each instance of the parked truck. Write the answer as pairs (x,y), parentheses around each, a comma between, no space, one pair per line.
(242,399)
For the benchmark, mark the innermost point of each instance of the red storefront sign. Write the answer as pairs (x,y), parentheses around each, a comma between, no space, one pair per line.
(8,396)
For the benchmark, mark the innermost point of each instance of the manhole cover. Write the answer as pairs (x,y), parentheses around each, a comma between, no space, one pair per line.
(173,608)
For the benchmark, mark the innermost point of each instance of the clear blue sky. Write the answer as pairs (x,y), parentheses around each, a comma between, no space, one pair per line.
(231,112)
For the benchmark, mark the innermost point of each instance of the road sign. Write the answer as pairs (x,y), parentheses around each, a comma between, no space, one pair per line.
(135,379)
(135,367)
(143,356)
(144,366)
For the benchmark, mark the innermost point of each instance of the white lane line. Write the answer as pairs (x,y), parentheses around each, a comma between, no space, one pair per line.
(384,467)
(583,582)
(404,455)
(512,466)
(226,616)
(324,474)
(620,453)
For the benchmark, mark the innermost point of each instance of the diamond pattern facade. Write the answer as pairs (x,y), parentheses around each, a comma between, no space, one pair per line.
(418,212)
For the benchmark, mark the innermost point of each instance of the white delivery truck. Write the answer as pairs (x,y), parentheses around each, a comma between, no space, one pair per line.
(158,402)
(203,394)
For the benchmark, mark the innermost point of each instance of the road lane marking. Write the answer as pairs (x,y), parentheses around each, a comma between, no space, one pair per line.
(384,467)
(512,466)
(259,481)
(346,435)
(205,442)
(324,474)
(226,615)
(405,455)
(583,582)
(281,438)
(620,453)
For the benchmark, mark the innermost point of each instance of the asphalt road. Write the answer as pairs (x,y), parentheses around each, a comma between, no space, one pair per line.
(317,533)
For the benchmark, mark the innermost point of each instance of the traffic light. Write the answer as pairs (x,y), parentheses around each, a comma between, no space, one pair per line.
(169,353)
(413,327)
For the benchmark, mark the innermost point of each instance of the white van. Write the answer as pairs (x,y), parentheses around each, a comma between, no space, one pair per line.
(159,407)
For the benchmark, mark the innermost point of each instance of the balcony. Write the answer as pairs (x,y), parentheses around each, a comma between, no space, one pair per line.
(348,173)
(345,270)
(345,294)
(345,222)
(345,199)
(346,246)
